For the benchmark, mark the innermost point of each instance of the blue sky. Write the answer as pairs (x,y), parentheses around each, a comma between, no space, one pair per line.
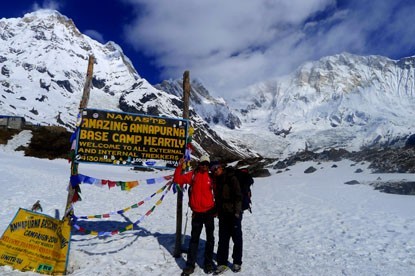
(231,44)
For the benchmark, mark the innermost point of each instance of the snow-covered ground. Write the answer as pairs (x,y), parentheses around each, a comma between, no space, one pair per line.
(302,224)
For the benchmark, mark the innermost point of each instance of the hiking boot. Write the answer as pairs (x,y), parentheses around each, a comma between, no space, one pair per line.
(221,269)
(208,269)
(188,270)
(236,268)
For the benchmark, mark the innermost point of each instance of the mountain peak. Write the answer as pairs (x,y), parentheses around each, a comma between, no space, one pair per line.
(341,101)
(43,61)
(43,14)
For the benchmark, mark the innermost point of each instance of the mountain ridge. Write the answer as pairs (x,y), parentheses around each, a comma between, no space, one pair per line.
(340,101)
(43,63)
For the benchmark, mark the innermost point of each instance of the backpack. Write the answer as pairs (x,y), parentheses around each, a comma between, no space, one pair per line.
(245,181)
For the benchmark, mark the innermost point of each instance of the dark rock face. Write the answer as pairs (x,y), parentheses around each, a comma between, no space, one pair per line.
(215,146)
(54,138)
(5,71)
(310,170)
(327,155)
(352,182)
(209,140)
(49,142)
(261,173)
(65,84)
(401,187)
(42,98)
(411,141)
(34,111)
(390,160)
(256,166)
(98,83)
(382,160)
(41,69)
(44,85)
(220,113)
(6,135)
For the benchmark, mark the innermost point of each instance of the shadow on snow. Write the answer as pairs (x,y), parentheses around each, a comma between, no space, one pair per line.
(165,240)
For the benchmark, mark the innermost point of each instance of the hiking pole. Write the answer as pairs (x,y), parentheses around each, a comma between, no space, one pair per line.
(185,225)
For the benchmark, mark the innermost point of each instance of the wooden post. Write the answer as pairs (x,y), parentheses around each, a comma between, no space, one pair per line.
(83,104)
(87,87)
(179,209)
(186,94)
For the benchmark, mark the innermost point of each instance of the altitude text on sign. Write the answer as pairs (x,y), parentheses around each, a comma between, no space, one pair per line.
(129,139)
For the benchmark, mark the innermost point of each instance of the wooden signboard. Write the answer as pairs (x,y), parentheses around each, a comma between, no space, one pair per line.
(130,139)
(36,242)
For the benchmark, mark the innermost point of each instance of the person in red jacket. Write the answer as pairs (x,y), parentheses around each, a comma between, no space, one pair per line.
(202,203)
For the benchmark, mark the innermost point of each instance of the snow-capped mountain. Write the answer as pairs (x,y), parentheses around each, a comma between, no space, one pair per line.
(43,60)
(342,101)
(212,110)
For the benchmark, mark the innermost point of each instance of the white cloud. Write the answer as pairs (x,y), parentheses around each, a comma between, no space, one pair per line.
(95,35)
(47,4)
(231,44)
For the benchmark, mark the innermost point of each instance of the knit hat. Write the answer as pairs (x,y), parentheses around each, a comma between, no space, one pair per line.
(214,165)
(204,158)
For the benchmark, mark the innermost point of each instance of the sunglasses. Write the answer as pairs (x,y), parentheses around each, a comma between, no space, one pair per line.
(204,163)
(215,168)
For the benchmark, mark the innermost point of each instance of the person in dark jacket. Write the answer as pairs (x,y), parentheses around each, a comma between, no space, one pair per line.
(202,203)
(228,199)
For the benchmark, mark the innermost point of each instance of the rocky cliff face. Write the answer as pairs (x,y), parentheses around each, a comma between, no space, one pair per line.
(212,110)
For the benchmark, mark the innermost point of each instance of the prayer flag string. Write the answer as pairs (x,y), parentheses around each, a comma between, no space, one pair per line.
(122,211)
(128,227)
(77,179)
